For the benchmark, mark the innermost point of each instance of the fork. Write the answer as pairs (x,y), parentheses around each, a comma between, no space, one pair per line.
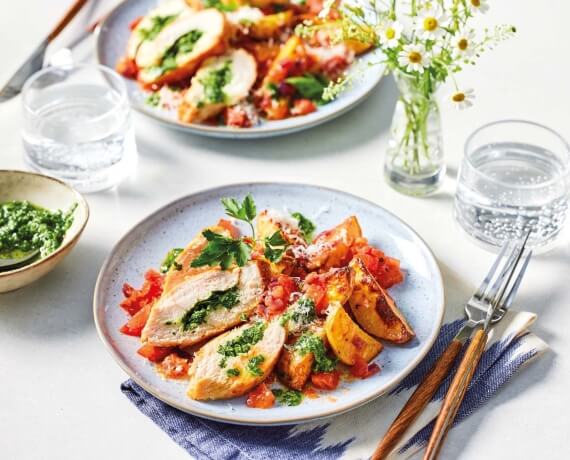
(485,308)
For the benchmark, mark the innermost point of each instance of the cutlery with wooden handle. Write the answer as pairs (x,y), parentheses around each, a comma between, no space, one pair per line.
(483,309)
(36,59)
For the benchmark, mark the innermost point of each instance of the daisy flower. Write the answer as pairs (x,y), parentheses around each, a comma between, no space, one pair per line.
(430,23)
(464,44)
(478,6)
(414,58)
(390,33)
(463,99)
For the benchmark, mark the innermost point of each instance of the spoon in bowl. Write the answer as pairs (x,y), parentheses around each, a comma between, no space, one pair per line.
(12,263)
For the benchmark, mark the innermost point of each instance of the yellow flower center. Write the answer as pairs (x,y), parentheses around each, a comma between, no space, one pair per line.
(458,97)
(476,3)
(390,33)
(414,57)
(462,44)
(430,24)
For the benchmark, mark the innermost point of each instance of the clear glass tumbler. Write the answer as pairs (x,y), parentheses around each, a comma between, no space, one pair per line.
(514,179)
(78,126)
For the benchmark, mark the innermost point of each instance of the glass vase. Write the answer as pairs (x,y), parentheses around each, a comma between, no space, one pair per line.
(414,160)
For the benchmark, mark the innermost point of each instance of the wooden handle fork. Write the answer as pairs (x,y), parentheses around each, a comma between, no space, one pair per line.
(456,393)
(63,22)
(419,400)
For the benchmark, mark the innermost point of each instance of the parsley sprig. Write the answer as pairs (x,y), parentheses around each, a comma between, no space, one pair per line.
(306,226)
(275,246)
(222,251)
(244,211)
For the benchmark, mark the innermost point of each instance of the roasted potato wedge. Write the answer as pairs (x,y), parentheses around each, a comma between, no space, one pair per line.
(332,247)
(271,25)
(292,48)
(374,309)
(346,339)
(294,369)
(338,283)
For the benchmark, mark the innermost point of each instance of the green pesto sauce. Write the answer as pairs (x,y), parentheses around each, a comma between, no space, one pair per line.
(311,343)
(169,261)
(214,82)
(183,45)
(25,227)
(301,313)
(199,313)
(157,24)
(242,343)
(288,397)
(233,372)
(253,365)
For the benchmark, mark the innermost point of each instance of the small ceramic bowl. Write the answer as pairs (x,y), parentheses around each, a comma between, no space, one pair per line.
(51,194)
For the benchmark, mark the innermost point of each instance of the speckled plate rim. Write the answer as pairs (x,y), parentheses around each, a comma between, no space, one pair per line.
(210,415)
(268,129)
(81,201)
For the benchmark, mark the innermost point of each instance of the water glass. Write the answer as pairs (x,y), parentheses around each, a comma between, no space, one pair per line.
(513,180)
(78,126)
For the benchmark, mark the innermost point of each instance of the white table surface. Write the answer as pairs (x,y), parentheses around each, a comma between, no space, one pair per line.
(59,388)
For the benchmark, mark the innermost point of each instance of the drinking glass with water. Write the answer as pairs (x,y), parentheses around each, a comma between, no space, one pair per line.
(514,179)
(78,126)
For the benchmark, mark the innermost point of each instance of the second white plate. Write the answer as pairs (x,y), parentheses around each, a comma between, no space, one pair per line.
(111,45)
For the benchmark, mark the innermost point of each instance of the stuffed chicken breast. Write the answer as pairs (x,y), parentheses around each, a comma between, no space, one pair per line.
(178,49)
(221,81)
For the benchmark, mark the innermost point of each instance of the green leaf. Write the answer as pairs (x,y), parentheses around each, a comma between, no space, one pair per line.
(306,226)
(222,251)
(308,86)
(275,246)
(245,210)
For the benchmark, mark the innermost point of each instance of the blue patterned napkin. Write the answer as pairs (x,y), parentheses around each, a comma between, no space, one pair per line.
(353,435)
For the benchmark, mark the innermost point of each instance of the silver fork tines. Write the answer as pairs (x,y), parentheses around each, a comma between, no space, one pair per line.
(486,305)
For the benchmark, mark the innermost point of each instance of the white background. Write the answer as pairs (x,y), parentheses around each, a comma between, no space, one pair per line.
(59,389)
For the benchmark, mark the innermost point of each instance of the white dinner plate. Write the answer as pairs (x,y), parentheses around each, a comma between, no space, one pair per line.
(112,38)
(420,296)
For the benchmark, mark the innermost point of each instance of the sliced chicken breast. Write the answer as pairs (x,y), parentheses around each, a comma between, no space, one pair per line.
(215,375)
(220,82)
(181,46)
(152,23)
(204,305)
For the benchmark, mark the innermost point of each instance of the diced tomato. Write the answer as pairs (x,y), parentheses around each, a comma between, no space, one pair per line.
(335,66)
(135,325)
(314,288)
(303,107)
(325,380)
(127,68)
(154,354)
(234,231)
(385,269)
(174,366)
(134,23)
(150,291)
(128,290)
(278,295)
(260,397)
(362,369)
(276,109)
(237,117)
